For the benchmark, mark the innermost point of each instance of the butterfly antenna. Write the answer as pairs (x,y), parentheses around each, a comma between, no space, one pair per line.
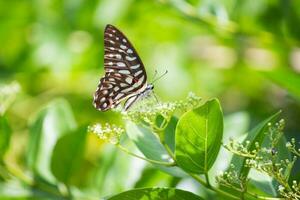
(155,74)
(156,79)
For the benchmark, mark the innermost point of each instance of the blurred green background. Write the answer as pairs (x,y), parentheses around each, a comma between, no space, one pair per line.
(246,53)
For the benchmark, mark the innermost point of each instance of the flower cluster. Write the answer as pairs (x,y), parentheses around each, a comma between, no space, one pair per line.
(241,149)
(8,94)
(231,178)
(292,147)
(275,132)
(291,193)
(148,111)
(265,159)
(110,133)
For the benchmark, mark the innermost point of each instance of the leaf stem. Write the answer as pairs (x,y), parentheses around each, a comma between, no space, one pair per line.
(217,190)
(207,180)
(169,164)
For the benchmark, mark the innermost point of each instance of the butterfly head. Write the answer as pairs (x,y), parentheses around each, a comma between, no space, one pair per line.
(150,86)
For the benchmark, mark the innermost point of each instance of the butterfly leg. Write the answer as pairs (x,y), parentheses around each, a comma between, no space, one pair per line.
(155,96)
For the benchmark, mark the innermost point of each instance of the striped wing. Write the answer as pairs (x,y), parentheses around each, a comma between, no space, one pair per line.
(125,75)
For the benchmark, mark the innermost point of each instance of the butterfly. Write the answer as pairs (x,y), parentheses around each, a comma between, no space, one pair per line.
(125,76)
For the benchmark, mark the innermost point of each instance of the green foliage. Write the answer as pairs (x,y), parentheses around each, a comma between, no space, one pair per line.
(50,124)
(197,143)
(291,84)
(255,137)
(67,155)
(5,134)
(156,194)
(198,137)
(245,53)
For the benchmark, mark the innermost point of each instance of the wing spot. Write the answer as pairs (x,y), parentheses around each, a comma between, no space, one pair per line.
(128,89)
(128,80)
(139,82)
(104,105)
(120,95)
(135,80)
(130,58)
(104,92)
(124,41)
(123,46)
(116,88)
(102,99)
(135,66)
(123,84)
(129,51)
(120,64)
(138,73)
(109,86)
(124,71)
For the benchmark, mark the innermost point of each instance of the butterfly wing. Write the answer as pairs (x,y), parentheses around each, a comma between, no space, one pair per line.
(125,74)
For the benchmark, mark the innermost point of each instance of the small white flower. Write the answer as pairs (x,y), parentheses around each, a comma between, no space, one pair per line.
(281,189)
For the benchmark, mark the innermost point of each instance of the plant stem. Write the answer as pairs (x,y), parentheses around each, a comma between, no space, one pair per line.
(207,180)
(202,182)
(146,159)
(69,192)
(262,197)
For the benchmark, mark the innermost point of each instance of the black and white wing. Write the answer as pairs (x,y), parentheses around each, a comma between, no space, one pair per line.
(125,75)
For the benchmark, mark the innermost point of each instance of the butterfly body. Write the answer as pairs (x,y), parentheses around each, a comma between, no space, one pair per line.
(139,96)
(125,75)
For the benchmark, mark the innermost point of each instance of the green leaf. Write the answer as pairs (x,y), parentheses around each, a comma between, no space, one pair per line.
(235,125)
(286,79)
(67,155)
(153,177)
(155,194)
(5,133)
(14,190)
(198,137)
(150,146)
(170,133)
(50,124)
(257,134)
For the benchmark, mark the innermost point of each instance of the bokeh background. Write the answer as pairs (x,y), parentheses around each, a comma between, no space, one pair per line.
(246,53)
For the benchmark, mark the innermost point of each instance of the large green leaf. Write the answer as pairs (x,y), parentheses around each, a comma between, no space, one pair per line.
(257,134)
(198,137)
(67,155)
(155,194)
(50,124)
(5,133)
(151,147)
